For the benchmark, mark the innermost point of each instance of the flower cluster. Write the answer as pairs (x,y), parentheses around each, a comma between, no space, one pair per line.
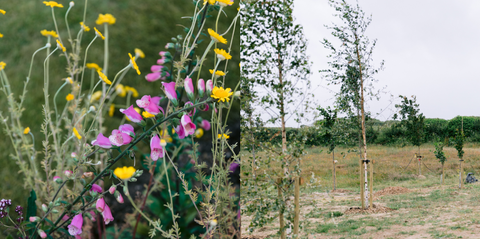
(159,71)
(121,136)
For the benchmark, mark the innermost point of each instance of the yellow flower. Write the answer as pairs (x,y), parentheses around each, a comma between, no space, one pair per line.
(217,38)
(217,73)
(221,94)
(134,64)
(136,109)
(2,65)
(211,2)
(49,33)
(85,27)
(69,80)
(222,54)
(107,18)
(98,33)
(198,133)
(139,53)
(120,90)
(2,11)
(93,66)
(111,110)
(96,96)
(59,44)
(104,78)
(224,3)
(124,173)
(169,139)
(1,35)
(133,90)
(26,130)
(225,136)
(69,97)
(75,132)
(147,115)
(52,4)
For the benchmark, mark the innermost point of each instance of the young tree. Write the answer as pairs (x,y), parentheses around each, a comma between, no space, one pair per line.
(459,141)
(330,135)
(351,67)
(440,155)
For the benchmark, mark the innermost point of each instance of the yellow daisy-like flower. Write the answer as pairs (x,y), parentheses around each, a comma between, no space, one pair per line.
(225,136)
(222,54)
(134,64)
(52,4)
(217,73)
(221,94)
(104,78)
(147,115)
(26,130)
(49,33)
(224,3)
(75,132)
(111,110)
(217,38)
(93,66)
(124,173)
(133,90)
(107,18)
(139,53)
(198,133)
(1,35)
(98,33)
(96,96)
(136,109)
(120,90)
(85,27)
(59,44)
(2,65)
(211,2)
(69,97)
(2,11)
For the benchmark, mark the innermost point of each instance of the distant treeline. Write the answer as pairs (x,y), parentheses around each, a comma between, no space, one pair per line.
(378,132)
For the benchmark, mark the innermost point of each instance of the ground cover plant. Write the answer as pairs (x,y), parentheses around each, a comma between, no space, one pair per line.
(78,163)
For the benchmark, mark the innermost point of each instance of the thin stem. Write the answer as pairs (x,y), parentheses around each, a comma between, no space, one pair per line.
(55,99)
(68,28)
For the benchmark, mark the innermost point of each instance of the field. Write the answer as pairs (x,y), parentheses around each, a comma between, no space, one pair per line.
(413,206)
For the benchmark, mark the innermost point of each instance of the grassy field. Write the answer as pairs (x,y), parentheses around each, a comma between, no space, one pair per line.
(422,208)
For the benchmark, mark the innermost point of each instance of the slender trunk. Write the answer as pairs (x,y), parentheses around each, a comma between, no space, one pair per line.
(280,199)
(419,162)
(362,184)
(443,176)
(296,222)
(334,173)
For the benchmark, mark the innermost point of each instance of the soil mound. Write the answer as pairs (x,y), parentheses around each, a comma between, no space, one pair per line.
(391,191)
(370,210)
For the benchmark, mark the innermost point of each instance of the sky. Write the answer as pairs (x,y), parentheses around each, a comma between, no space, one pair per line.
(431,49)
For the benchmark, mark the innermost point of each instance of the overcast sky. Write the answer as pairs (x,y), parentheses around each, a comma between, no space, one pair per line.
(431,49)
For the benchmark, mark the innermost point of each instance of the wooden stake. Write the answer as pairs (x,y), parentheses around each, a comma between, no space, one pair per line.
(296,222)
(334,173)
(461,174)
(371,183)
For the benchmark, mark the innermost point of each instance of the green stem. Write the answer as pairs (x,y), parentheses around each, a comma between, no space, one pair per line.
(68,28)
(200,63)
(55,99)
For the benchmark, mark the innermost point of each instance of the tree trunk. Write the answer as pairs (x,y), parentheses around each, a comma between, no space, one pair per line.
(362,184)
(334,173)
(443,176)
(461,175)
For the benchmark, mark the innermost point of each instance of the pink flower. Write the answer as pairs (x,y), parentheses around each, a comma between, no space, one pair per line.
(151,77)
(100,205)
(127,129)
(119,197)
(102,142)
(93,215)
(68,173)
(180,131)
(156,100)
(96,188)
(161,61)
(188,125)
(206,107)
(132,114)
(57,179)
(148,105)
(112,189)
(164,53)
(209,87)
(75,227)
(156,68)
(118,138)
(66,217)
(34,219)
(156,149)
(107,215)
(170,92)
(189,89)
(201,87)
(205,125)
(191,112)
(42,234)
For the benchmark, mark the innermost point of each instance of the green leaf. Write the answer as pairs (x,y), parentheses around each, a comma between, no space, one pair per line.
(32,207)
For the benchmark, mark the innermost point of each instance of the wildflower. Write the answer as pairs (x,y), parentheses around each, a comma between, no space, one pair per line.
(92,217)
(57,179)
(233,167)
(209,87)
(119,197)
(104,78)
(205,125)
(34,219)
(96,96)
(52,4)
(201,87)
(163,61)
(225,136)
(118,138)
(156,149)
(224,3)
(111,110)
(170,92)
(237,94)
(107,18)
(221,94)
(188,125)
(87,174)
(69,80)
(134,64)
(127,129)
(169,46)
(198,133)
(132,114)
(102,142)
(69,97)
(42,233)
(215,37)
(75,227)
(211,2)
(213,222)
(93,66)
(2,11)
(147,115)
(2,65)
(222,54)
(151,77)
(100,204)
(112,189)
(84,27)
(120,90)
(139,53)
(59,45)
(98,33)
(26,130)
(68,173)
(133,90)
(96,188)
(124,173)
(217,73)
(107,215)
(75,132)
(180,131)
(156,68)
(49,33)
(189,88)
(1,35)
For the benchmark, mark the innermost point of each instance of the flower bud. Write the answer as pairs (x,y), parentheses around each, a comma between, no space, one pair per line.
(112,189)
(72,4)
(57,179)
(92,109)
(209,87)
(237,94)
(73,155)
(118,196)
(170,46)
(44,208)
(34,219)
(41,233)
(201,87)
(68,173)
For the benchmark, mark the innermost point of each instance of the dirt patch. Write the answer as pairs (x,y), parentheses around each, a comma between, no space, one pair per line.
(341,191)
(374,209)
(391,191)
